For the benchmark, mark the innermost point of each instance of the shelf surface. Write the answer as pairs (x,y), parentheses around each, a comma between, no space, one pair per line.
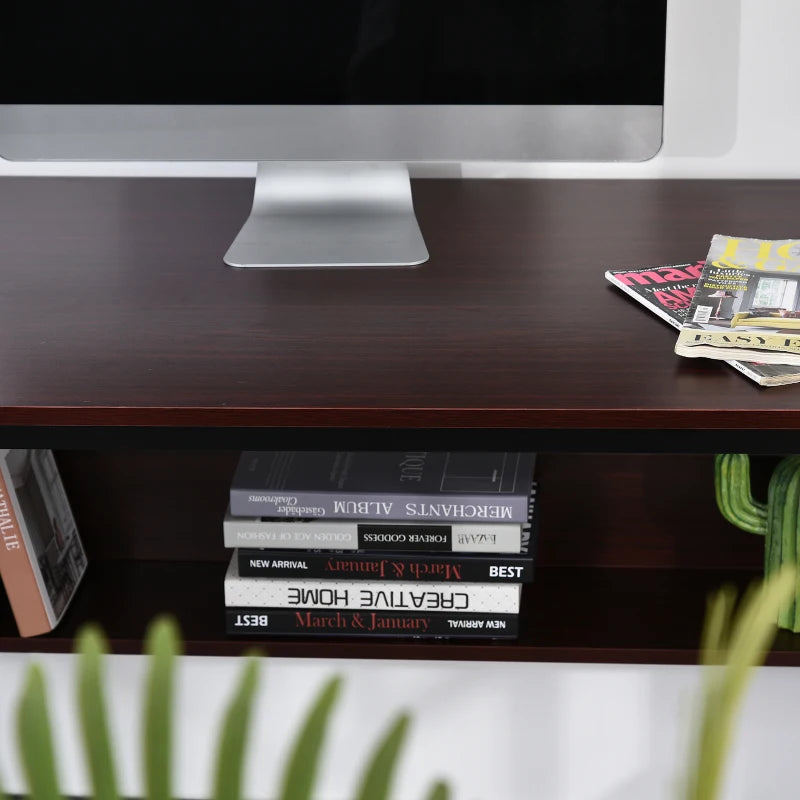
(569,614)
(117,311)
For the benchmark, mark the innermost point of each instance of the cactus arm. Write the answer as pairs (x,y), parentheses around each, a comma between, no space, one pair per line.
(742,466)
(788,537)
(778,485)
(733,493)
(796,618)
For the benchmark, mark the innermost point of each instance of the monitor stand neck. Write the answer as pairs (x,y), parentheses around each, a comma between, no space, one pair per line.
(330,214)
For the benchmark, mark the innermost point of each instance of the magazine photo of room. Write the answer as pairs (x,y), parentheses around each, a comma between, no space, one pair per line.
(770,300)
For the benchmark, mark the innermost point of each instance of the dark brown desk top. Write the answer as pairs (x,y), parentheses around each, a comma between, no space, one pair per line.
(116,309)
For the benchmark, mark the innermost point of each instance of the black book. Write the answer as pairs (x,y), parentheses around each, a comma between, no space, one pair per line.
(327,622)
(441,567)
(417,486)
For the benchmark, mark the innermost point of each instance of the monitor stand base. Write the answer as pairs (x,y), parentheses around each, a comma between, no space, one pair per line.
(330,214)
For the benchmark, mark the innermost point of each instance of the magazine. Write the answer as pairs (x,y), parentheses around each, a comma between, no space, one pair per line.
(746,304)
(668,290)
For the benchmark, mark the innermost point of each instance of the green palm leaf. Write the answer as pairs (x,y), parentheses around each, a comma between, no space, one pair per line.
(162,643)
(377,778)
(91,647)
(439,791)
(751,634)
(301,769)
(233,740)
(35,739)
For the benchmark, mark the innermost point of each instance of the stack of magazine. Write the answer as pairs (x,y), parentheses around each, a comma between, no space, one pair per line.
(399,544)
(740,305)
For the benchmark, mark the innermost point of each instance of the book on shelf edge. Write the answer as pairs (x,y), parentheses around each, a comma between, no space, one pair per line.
(297,533)
(494,598)
(376,486)
(746,304)
(667,291)
(440,567)
(42,559)
(395,624)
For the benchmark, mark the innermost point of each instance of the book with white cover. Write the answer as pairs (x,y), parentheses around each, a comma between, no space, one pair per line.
(502,598)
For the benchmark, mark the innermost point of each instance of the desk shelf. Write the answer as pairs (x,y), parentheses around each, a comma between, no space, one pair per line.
(130,349)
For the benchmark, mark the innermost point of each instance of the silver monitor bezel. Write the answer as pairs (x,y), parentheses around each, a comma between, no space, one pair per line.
(31,132)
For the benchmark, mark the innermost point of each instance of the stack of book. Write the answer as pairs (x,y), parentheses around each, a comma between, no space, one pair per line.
(422,544)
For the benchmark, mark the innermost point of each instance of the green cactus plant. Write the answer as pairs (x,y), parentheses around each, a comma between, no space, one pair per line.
(778,520)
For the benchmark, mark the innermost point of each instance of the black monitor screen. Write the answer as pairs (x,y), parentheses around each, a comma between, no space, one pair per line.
(334,51)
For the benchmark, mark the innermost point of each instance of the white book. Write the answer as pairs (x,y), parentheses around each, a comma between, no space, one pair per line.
(501,598)
(321,534)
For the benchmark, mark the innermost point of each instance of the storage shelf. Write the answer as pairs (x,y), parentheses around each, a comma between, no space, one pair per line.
(127,346)
(571,614)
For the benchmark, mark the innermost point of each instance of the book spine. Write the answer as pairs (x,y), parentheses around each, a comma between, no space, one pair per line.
(376,507)
(17,569)
(743,367)
(313,622)
(495,598)
(385,567)
(293,535)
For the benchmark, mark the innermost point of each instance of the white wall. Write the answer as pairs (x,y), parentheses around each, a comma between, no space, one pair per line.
(514,731)
(495,731)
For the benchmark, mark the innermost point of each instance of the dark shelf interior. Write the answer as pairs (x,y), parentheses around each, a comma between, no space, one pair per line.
(570,614)
(622,576)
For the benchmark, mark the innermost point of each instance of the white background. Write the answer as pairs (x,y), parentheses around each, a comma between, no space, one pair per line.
(509,731)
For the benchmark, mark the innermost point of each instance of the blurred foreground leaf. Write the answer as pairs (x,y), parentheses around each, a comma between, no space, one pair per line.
(35,739)
(301,769)
(91,647)
(233,739)
(732,646)
(377,778)
(162,644)
(439,791)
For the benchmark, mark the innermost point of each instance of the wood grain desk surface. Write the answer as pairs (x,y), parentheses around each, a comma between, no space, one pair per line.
(116,309)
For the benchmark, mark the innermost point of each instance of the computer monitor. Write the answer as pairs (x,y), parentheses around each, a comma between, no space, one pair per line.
(333,99)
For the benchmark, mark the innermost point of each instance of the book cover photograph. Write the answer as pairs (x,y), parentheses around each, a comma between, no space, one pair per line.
(42,559)
(416,486)
(668,291)
(746,304)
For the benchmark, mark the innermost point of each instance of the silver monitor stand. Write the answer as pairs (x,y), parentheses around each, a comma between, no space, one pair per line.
(330,214)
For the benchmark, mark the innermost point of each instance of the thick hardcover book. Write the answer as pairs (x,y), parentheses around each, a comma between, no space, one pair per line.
(440,567)
(321,534)
(316,622)
(377,595)
(668,291)
(746,304)
(376,486)
(41,556)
